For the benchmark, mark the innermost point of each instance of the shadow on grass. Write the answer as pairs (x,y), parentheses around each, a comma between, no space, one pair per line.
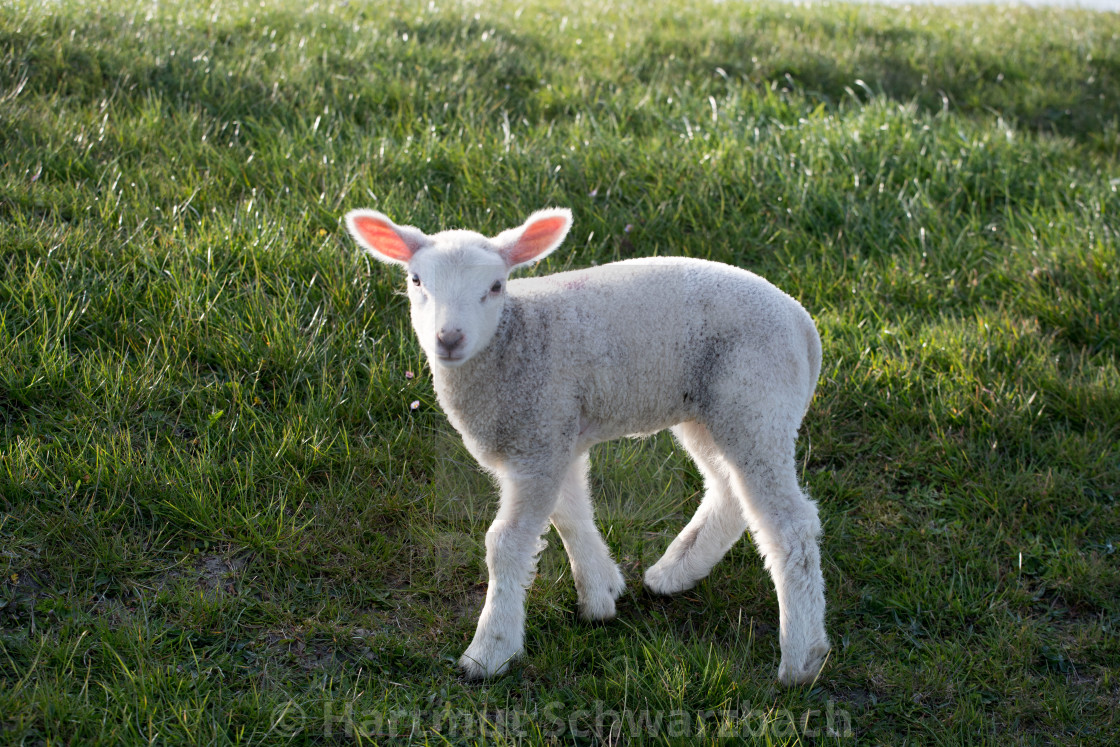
(233,70)
(440,64)
(1044,85)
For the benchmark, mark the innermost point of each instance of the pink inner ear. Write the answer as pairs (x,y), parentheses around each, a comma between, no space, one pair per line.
(538,237)
(381,236)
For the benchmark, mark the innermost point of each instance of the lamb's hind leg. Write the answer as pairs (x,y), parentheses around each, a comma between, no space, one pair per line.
(598,579)
(717,524)
(786,529)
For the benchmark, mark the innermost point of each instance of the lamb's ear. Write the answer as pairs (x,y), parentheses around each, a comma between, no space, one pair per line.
(536,238)
(383,238)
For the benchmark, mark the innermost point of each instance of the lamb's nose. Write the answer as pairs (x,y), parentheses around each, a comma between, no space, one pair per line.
(449,339)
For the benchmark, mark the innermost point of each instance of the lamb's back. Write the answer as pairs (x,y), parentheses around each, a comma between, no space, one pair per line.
(658,301)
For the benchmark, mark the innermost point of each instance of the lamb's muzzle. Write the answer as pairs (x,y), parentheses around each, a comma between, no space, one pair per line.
(447,341)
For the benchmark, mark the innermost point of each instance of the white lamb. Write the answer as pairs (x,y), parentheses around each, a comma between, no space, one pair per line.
(533,372)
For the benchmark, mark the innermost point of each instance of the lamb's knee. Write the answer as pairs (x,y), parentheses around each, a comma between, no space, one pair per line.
(512,553)
(791,549)
(780,526)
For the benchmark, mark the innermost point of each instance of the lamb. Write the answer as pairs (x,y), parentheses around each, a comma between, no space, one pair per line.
(533,372)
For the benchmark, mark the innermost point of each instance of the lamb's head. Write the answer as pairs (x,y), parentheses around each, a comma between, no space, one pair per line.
(457,279)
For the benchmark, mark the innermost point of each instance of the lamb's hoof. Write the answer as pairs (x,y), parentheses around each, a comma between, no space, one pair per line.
(806,671)
(599,610)
(600,607)
(666,580)
(479,664)
(475,670)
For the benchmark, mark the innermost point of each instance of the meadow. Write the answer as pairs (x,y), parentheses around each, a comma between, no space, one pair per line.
(231,511)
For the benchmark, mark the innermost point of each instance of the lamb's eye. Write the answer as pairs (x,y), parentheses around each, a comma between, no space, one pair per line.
(416,280)
(496,287)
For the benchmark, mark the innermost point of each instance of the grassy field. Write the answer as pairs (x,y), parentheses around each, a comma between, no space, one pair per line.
(223,521)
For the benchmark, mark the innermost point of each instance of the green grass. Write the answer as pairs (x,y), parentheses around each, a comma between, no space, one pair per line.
(222,522)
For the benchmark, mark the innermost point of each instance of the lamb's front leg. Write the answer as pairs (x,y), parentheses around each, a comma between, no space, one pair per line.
(598,579)
(513,544)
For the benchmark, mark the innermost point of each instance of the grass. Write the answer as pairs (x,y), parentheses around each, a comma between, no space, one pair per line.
(221,520)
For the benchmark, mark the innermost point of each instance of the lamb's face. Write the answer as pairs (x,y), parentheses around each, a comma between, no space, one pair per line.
(457,290)
(457,279)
